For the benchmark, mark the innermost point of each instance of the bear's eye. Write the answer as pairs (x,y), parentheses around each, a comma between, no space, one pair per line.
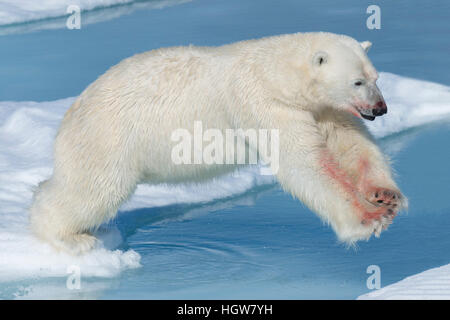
(358,83)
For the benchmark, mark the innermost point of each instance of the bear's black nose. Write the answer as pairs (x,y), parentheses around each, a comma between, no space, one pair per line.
(379,109)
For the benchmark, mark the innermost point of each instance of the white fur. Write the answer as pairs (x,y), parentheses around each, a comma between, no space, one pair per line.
(117,133)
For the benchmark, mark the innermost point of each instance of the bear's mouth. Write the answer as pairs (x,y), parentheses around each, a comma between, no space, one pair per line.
(367,117)
(363,113)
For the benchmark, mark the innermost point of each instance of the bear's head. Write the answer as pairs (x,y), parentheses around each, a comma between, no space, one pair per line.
(342,77)
(319,70)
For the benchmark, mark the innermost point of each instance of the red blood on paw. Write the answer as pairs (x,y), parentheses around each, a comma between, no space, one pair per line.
(374,215)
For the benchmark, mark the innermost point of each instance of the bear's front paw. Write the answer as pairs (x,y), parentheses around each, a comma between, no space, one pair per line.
(382,197)
(378,220)
(383,206)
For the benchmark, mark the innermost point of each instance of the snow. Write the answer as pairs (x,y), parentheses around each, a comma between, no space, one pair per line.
(411,103)
(27,131)
(15,11)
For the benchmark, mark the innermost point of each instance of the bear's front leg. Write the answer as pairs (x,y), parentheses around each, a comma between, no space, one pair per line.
(313,171)
(353,153)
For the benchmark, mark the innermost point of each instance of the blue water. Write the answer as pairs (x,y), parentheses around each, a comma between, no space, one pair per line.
(262,244)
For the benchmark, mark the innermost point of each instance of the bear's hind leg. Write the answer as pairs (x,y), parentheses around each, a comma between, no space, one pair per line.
(64,214)
(76,244)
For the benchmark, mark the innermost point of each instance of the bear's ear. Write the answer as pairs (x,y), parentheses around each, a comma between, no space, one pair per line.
(320,58)
(366,45)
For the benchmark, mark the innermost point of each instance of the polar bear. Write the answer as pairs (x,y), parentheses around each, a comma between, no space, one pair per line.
(314,87)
